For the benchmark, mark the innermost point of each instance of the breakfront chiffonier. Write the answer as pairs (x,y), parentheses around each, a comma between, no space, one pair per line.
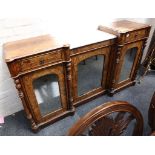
(53,77)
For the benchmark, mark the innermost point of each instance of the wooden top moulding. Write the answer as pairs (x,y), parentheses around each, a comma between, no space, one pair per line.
(122,26)
(27,47)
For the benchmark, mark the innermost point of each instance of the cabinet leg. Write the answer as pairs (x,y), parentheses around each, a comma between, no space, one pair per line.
(111,92)
(35,127)
(84,62)
(35,130)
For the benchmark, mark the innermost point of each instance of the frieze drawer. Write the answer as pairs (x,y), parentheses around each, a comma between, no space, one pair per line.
(40,60)
(136,35)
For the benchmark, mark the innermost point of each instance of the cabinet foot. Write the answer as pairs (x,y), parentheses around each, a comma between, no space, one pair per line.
(111,92)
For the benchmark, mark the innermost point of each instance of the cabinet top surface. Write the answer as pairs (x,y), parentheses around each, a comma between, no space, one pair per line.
(124,26)
(26,47)
(83,38)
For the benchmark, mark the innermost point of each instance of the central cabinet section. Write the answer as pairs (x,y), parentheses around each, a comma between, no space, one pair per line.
(89,71)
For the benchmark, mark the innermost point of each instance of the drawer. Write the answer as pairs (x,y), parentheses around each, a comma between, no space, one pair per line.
(136,35)
(40,60)
(90,47)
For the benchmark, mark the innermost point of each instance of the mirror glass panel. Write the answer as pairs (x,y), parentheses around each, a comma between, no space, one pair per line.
(47,93)
(90,74)
(128,63)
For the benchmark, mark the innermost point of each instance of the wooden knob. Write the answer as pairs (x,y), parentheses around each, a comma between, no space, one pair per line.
(136,35)
(17,81)
(18,86)
(42,61)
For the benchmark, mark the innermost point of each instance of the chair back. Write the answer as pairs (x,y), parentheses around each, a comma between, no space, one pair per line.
(109,119)
(151,113)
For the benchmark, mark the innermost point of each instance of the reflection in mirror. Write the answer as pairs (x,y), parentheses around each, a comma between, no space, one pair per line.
(47,93)
(90,74)
(128,63)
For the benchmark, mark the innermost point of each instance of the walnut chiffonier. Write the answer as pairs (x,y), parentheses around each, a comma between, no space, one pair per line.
(53,77)
(40,67)
(131,40)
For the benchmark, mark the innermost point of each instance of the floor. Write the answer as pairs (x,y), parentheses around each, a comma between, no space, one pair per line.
(139,95)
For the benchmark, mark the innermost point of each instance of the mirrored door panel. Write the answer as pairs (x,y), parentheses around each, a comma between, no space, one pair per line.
(128,63)
(90,74)
(47,93)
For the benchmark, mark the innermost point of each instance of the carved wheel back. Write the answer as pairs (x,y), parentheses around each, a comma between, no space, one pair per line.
(109,119)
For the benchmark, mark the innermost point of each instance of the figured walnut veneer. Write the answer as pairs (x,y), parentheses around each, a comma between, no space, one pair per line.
(32,58)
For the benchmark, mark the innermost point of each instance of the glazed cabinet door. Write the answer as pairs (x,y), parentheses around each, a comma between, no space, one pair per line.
(46,92)
(89,74)
(127,67)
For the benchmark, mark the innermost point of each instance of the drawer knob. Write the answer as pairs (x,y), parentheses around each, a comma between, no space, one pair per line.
(17,81)
(136,35)
(127,35)
(42,61)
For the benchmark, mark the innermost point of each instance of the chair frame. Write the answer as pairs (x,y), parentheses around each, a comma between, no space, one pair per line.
(103,110)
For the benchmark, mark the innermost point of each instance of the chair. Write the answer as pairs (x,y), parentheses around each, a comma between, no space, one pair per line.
(151,113)
(109,119)
(149,62)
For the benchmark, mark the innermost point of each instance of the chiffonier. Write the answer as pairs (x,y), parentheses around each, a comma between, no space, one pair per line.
(53,76)
(90,54)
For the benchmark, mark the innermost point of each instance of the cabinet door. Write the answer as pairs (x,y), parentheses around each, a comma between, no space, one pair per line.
(46,92)
(89,73)
(130,56)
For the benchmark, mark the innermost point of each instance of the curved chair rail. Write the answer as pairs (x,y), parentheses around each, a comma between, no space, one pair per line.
(101,112)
